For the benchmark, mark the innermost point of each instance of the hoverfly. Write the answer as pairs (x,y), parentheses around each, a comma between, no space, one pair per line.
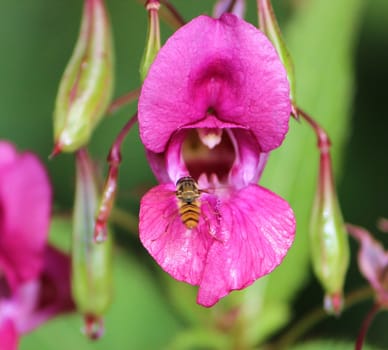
(189,206)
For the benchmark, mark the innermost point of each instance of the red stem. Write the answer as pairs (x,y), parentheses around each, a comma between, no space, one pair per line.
(231,6)
(365,326)
(169,14)
(110,186)
(123,100)
(174,14)
(323,139)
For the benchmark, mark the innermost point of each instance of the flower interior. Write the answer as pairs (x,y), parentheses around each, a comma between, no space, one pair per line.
(209,152)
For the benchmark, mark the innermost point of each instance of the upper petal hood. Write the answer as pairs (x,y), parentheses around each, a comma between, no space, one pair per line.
(224,67)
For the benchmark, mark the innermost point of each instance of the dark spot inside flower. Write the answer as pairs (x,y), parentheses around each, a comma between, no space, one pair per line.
(199,158)
(5,290)
(211,111)
(48,292)
(2,214)
(54,284)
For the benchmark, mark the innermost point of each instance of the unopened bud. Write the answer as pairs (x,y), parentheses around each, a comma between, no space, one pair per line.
(91,262)
(269,26)
(329,240)
(86,86)
(153,37)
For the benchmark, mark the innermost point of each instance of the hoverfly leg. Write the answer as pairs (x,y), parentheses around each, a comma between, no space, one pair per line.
(167,228)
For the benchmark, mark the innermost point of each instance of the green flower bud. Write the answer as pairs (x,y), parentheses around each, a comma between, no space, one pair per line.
(91,262)
(153,38)
(269,26)
(329,240)
(86,86)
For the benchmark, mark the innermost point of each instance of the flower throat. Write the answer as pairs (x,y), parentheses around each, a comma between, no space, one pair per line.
(208,151)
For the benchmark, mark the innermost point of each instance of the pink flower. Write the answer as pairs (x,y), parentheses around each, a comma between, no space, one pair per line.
(213,105)
(373,262)
(34,279)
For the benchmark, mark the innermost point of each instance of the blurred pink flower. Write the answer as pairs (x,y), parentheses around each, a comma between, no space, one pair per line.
(213,105)
(373,262)
(34,278)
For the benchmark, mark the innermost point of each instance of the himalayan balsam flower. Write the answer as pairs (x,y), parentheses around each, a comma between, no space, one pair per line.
(34,278)
(214,104)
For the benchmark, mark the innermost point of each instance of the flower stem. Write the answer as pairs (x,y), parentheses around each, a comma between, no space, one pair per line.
(123,100)
(170,14)
(322,137)
(231,6)
(110,186)
(365,325)
(315,316)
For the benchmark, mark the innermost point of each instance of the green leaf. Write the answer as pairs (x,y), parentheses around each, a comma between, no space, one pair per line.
(200,339)
(60,232)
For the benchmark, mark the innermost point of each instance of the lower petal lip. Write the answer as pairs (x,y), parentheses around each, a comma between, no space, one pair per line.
(239,238)
(260,228)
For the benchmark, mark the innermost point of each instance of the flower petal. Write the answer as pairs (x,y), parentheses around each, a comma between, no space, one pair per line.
(8,336)
(238,239)
(224,67)
(259,229)
(8,154)
(25,199)
(372,260)
(51,296)
(179,251)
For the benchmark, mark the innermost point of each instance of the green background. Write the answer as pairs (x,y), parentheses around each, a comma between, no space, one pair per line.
(340,52)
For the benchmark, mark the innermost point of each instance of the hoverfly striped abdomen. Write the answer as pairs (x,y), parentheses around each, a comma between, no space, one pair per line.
(189,206)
